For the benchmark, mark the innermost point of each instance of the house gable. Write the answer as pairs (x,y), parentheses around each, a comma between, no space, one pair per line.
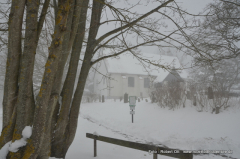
(173,76)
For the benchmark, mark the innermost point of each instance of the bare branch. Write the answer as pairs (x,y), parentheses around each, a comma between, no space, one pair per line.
(42,17)
(132,23)
(121,52)
(230,2)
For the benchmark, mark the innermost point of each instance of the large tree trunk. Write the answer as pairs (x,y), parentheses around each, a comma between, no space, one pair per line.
(59,75)
(40,115)
(86,65)
(45,151)
(12,70)
(59,137)
(53,102)
(25,108)
(58,78)
(13,59)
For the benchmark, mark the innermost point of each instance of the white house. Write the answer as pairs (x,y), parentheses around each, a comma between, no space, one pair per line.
(113,77)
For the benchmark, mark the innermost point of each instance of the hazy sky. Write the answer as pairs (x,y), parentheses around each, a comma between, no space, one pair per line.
(191,6)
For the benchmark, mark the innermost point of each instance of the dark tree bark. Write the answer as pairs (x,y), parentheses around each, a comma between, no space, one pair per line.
(62,120)
(45,151)
(13,59)
(86,65)
(57,86)
(24,101)
(7,131)
(12,70)
(67,44)
(40,115)
(53,105)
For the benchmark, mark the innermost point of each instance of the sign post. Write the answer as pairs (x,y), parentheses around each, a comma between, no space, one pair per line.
(132,104)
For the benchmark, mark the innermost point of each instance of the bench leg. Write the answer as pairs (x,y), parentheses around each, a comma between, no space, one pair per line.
(95,147)
(154,155)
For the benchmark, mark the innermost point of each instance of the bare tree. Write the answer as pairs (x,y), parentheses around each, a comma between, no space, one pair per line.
(218,35)
(216,42)
(221,77)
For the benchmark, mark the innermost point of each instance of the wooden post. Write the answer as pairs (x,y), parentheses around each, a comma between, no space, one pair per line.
(95,147)
(154,155)
(132,118)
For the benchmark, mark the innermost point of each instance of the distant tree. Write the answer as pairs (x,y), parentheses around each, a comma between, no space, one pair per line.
(216,42)
(218,35)
(221,77)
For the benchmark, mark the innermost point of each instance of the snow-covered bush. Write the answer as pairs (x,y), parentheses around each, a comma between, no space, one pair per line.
(221,78)
(171,95)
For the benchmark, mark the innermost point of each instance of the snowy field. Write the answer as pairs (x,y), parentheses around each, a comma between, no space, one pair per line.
(184,129)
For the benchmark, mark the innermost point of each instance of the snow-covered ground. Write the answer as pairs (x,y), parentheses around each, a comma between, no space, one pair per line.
(183,128)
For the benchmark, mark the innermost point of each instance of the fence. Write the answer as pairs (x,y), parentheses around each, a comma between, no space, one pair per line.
(139,146)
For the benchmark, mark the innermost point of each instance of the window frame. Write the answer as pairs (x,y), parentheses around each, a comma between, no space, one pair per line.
(129,82)
(146,83)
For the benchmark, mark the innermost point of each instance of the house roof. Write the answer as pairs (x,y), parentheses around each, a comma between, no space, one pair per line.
(128,64)
(173,76)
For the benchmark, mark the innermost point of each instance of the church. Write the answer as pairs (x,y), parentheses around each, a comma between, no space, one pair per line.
(113,77)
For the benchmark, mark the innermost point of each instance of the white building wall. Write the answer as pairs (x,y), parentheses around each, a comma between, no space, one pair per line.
(119,86)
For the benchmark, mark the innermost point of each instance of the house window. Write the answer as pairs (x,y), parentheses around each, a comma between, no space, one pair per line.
(130,81)
(146,83)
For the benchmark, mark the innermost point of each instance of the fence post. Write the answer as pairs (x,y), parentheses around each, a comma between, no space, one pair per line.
(154,155)
(95,147)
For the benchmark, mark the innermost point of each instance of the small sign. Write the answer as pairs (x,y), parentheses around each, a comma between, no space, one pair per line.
(132,112)
(132,104)
(132,100)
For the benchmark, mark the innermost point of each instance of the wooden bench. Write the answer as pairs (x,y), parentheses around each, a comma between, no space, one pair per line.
(139,146)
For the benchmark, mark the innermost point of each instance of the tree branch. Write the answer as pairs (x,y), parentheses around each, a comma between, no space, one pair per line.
(42,17)
(55,7)
(132,23)
(121,52)
(104,44)
(230,2)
